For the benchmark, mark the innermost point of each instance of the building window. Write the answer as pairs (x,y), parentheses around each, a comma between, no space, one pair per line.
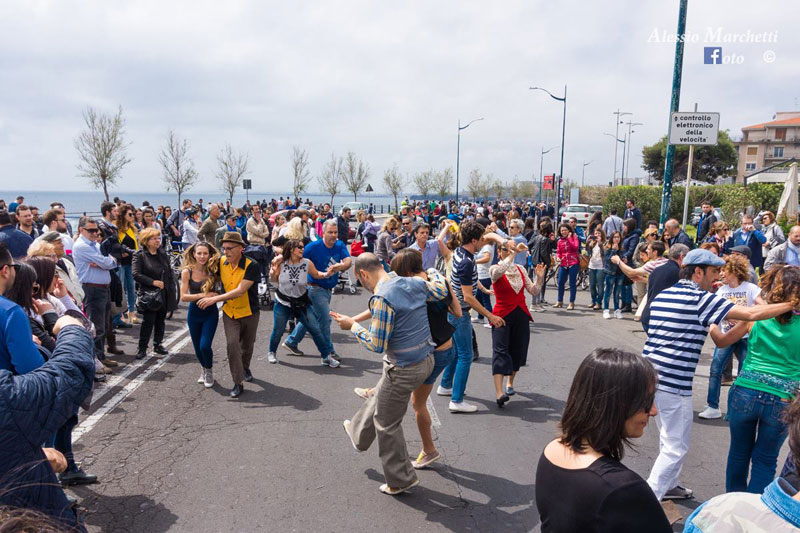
(780,134)
(749,167)
(752,150)
(777,151)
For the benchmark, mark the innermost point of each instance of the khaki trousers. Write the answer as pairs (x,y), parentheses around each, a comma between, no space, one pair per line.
(382,415)
(240,335)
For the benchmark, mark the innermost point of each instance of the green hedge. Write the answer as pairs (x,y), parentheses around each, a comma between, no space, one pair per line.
(732,199)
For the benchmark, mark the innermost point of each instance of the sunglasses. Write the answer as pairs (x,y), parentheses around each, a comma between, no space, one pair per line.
(93,230)
(15,266)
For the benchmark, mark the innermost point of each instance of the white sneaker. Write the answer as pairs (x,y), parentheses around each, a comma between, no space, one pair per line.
(208,378)
(709,413)
(202,377)
(331,362)
(618,313)
(271,358)
(441,391)
(606,314)
(462,407)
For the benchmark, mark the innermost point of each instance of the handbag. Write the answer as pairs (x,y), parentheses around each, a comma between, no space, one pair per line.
(149,300)
(583,261)
(356,248)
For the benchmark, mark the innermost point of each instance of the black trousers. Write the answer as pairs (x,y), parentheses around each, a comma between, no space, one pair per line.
(151,320)
(510,343)
(97,306)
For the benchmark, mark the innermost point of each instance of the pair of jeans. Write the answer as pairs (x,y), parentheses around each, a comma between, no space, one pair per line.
(456,374)
(320,311)
(757,434)
(281,315)
(485,299)
(441,358)
(718,364)
(613,287)
(126,277)
(97,306)
(597,278)
(572,274)
(202,327)
(152,320)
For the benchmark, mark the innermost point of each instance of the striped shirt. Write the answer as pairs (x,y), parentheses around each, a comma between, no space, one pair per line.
(464,272)
(679,320)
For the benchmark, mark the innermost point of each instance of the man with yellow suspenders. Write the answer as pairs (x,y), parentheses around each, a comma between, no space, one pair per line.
(240,311)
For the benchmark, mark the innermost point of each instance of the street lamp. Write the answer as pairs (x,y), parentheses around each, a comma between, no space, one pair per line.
(458,149)
(541,170)
(563,131)
(630,125)
(623,156)
(585,164)
(616,136)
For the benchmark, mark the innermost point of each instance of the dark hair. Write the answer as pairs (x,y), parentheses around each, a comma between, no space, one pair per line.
(5,254)
(422,225)
(658,247)
(631,201)
(652,223)
(687,271)
(45,272)
(614,212)
(106,207)
(290,245)
(22,207)
(562,226)
(609,387)
(791,417)
(407,262)
(21,520)
(470,231)
(21,293)
(630,225)
(781,283)
(50,216)
(5,218)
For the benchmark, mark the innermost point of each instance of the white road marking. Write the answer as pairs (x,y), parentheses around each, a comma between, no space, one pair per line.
(91,421)
(434,417)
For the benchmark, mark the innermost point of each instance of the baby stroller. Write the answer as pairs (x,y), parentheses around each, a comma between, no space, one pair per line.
(347,277)
(263,256)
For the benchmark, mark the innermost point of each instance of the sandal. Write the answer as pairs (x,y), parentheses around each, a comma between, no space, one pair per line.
(386,489)
(423,459)
(366,393)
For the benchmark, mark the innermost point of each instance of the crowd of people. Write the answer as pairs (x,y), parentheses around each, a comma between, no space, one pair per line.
(436,271)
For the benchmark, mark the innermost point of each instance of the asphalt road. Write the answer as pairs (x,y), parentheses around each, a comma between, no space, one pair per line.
(174,456)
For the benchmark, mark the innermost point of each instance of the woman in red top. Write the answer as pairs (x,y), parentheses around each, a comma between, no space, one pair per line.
(567,249)
(510,341)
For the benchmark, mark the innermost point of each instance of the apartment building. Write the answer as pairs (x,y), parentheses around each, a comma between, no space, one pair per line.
(769,143)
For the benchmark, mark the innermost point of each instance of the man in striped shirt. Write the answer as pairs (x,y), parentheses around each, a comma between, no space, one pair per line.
(680,317)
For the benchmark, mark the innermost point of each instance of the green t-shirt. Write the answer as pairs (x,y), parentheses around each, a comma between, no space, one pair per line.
(772,352)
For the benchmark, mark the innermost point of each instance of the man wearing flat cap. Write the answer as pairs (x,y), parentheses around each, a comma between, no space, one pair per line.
(240,312)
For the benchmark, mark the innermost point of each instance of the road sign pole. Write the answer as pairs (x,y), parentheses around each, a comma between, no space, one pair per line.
(677,70)
(688,181)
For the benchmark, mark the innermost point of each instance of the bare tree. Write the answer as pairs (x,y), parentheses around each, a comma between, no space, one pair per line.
(424,182)
(355,174)
(443,183)
(101,148)
(331,178)
(393,181)
(233,166)
(475,183)
(179,171)
(494,186)
(301,178)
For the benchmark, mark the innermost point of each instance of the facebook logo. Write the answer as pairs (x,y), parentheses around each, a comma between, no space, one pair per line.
(712,55)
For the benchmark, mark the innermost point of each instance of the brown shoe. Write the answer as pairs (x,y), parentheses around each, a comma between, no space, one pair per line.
(571,306)
(558,305)
(110,363)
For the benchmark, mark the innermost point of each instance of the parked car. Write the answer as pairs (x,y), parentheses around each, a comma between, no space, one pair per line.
(697,211)
(354,208)
(593,208)
(580,211)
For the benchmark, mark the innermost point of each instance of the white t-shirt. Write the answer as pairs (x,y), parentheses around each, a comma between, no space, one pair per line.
(745,294)
(483,268)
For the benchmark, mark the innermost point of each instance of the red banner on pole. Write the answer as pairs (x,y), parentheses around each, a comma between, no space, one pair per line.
(548,183)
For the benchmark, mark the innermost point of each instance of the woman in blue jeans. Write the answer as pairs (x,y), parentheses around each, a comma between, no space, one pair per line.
(767,384)
(614,275)
(567,249)
(595,249)
(199,278)
(126,234)
(291,270)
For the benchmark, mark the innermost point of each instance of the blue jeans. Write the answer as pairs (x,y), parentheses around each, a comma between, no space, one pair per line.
(613,287)
(281,315)
(455,374)
(126,276)
(320,310)
(718,363)
(597,278)
(202,327)
(757,434)
(627,292)
(441,359)
(483,298)
(572,273)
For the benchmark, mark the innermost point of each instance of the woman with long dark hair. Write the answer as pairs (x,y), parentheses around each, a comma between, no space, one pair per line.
(581,483)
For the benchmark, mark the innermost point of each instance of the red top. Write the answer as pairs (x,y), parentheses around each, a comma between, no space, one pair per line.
(568,250)
(507,298)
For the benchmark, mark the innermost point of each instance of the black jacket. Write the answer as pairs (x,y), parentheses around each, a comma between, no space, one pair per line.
(148,268)
(705,226)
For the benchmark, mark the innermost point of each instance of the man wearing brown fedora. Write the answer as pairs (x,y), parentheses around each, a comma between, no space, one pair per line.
(240,312)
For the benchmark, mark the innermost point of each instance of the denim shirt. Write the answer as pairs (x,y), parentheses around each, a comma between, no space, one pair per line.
(729,512)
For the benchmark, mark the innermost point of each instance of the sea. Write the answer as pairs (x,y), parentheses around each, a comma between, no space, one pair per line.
(88,202)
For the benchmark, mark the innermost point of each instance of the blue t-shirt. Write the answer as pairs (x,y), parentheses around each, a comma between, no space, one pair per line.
(18,353)
(322,257)
(465,272)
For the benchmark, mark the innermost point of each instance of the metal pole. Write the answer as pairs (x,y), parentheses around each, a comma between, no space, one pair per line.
(677,70)
(688,181)
(583,172)
(561,172)
(616,146)
(458,157)
(541,176)
(622,173)
(628,162)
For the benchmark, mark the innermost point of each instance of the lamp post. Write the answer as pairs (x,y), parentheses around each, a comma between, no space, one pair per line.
(616,136)
(541,170)
(623,154)
(563,131)
(628,162)
(583,170)
(458,149)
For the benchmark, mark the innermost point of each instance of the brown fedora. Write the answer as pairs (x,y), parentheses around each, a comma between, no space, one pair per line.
(234,237)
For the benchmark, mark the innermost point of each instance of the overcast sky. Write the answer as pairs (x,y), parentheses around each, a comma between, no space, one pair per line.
(389,82)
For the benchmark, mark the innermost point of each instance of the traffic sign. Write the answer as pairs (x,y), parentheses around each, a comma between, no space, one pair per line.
(247,184)
(548,183)
(693,128)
